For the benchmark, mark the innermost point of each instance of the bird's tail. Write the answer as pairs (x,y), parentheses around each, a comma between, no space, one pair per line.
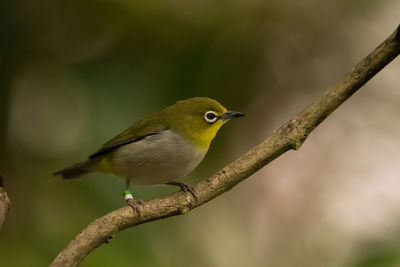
(75,170)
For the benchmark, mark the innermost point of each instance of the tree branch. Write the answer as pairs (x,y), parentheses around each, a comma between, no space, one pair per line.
(290,136)
(4,203)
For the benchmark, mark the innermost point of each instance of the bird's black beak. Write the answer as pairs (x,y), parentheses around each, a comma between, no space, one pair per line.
(232,114)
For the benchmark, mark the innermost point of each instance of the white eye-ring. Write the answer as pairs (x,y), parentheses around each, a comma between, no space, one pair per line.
(211,116)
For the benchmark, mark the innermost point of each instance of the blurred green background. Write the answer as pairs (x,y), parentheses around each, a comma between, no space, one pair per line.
(74,74)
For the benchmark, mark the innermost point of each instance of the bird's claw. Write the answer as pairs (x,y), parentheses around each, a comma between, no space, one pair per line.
(185,188)
(135,204)
(190,189)
(132,202)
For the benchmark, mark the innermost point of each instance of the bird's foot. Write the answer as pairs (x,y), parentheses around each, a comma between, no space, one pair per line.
(185,188)
(134,203)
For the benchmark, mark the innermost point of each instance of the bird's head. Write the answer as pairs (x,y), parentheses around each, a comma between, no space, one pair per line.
(198,119)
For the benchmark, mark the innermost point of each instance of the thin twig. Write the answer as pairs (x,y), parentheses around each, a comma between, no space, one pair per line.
(289,136)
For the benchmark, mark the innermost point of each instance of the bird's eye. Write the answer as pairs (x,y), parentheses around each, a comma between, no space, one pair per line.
(210,116)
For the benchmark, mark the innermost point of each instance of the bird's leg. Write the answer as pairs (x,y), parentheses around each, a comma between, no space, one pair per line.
(129,197)
(185,188)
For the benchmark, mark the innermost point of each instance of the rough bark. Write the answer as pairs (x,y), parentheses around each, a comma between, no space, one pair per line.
(4,203)
(290,136)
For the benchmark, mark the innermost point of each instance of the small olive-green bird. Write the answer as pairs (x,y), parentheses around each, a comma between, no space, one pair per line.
(160,148)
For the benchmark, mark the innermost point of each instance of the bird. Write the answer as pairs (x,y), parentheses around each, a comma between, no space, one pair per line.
(160,148)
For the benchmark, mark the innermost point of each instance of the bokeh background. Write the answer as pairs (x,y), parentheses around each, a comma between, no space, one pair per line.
(75,73)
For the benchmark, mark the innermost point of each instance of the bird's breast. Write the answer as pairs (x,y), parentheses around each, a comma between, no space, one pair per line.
(156,159)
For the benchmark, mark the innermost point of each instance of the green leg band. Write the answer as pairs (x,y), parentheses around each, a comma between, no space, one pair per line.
(128,195)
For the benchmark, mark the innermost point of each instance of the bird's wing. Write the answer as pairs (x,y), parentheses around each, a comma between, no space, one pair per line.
(139,130)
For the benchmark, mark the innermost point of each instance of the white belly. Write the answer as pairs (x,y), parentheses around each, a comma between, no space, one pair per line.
(156,159)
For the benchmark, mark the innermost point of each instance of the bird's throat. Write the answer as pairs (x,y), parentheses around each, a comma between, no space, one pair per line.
(202,139)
